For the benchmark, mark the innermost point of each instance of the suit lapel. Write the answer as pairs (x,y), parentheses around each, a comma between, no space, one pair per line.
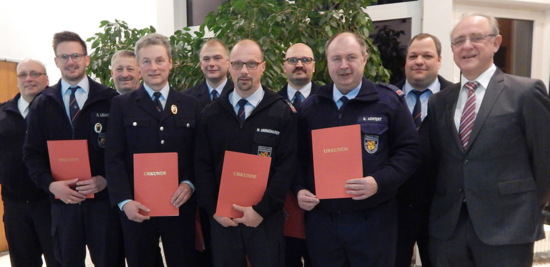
(493,91)
(449,113)
(145,102)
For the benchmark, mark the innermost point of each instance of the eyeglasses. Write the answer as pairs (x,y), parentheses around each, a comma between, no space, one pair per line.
(474,38)
(33,74)
(251,65)
(295,60)
(76,57)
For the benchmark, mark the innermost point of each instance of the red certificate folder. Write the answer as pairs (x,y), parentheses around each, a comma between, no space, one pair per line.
(337,158)
(69,159)
(243,182)
(294,219)
(156,181)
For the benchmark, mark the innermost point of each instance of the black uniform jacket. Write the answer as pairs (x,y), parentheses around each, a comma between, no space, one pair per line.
(48,120)
(14,176)
(270,127)
(137,127)
(200,91)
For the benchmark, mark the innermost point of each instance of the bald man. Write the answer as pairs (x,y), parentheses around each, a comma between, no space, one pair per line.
(266,126)
(27,218)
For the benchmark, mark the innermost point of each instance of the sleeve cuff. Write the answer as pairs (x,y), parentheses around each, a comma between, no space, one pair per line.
(190,184)
(121,204)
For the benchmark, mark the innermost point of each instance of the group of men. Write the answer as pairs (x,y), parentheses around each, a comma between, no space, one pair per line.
(458,169)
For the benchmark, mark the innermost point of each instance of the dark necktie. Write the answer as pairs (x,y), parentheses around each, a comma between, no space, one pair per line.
(74,109)
(214,95)
(468,114)
(417,109)
(241,112)
(157,101)
(344,101)
(297,99)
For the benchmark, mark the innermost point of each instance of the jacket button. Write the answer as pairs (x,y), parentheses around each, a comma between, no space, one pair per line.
(188,125)
(134,123)
(162,142)
(466,162)
(161,128)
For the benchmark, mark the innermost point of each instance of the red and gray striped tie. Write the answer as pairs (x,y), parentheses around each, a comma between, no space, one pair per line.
(468,114)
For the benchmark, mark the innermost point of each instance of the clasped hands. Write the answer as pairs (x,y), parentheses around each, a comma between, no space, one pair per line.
(74,191)
(250,218)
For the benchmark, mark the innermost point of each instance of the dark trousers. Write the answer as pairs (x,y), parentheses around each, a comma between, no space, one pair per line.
(92,223)
(141,240)
(465,249)
(28,232)
(358,239)
(412,228)
(205,256)
(263,245)
(296,250)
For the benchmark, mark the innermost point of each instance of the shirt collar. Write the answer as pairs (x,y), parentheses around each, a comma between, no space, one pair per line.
(164,91)
(435,87)
(254,99)
(219,88)
(22,105)
(336,94)
(482,79)
(84,85)
(305,91)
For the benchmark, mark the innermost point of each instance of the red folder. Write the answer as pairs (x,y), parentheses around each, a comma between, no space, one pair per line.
(69,159)
(243,182)
(294,219)
(155,181)
(337,158)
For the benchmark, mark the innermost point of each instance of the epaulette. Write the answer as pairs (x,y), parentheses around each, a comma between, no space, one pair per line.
(290,105)
(394,88)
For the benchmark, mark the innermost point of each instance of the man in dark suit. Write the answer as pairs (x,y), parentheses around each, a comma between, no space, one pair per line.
(214,62)
(299,66)
(490,145)
(155,118)
(27,218)
(77,222)
(125,71)
(358,231)
(413,197)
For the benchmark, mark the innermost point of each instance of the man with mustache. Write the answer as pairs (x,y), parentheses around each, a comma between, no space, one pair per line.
(358,231)
(27,218)
(214,63)
(76,107)
(248,119)
(299,66)
(422,64)
(125,71)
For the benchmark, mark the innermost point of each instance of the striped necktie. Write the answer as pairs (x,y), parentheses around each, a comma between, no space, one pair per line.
(157,101)
(417,109)
(74,109)
(468,114)
(241,112)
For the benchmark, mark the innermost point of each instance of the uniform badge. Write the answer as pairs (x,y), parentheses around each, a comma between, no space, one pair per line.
(98,127)
(264,151)
(371,143)
(174,109)
(101,139)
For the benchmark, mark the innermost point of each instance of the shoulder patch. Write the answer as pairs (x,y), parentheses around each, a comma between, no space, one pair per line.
(398,91)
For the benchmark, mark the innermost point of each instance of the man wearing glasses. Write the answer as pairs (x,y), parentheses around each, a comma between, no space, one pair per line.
(490,147)
(249,119)
(75,108)
(298,66)
(27,217)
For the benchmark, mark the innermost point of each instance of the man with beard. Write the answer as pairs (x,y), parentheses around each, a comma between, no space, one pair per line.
(75,108)
(299,66)
(27,218)
(253,120)
(214,62)
(413,198)
(125,72)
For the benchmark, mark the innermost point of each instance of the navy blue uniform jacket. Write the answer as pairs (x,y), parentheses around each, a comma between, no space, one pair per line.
(48,120)
(382,115)
(14,176)
(137,127)
(271,124)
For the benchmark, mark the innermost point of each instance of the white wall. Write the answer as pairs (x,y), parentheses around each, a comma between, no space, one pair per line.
(27,26)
